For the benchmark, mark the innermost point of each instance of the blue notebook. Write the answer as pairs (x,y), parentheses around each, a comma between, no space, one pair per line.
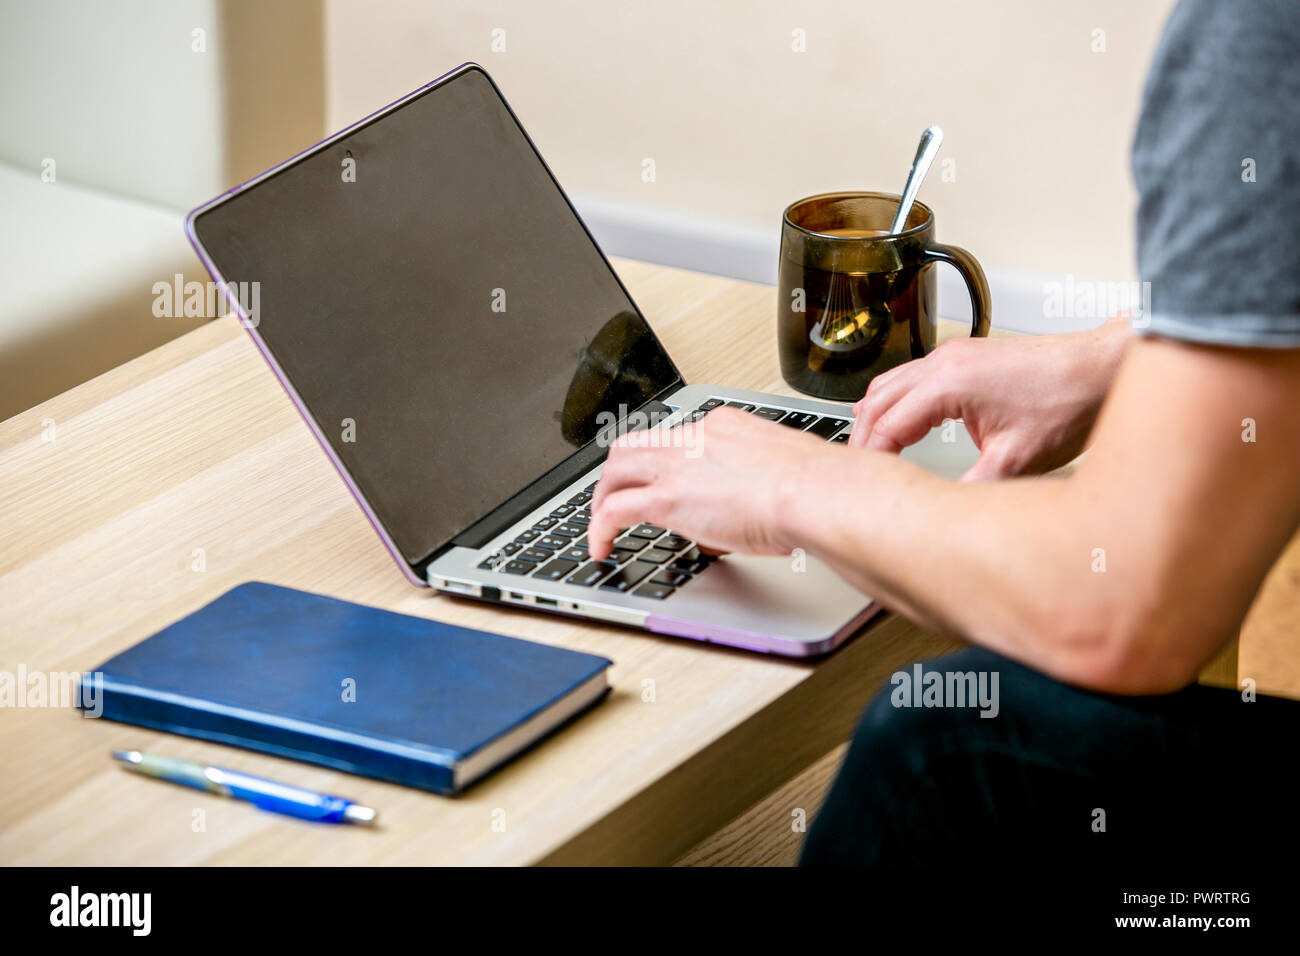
(356,688)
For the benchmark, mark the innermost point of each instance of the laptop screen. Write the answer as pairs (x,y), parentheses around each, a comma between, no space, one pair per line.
(439,308)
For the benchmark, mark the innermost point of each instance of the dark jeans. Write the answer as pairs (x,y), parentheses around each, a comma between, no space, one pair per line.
(1193,775)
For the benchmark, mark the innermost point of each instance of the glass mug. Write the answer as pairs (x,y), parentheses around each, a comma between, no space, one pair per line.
(856,301)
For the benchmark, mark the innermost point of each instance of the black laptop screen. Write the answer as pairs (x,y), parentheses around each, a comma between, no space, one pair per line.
(441,311)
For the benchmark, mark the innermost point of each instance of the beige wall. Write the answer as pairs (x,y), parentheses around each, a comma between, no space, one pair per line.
(118,116)
(738,124)
(125,97)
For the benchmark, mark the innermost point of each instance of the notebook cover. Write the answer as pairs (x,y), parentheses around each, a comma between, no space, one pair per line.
(267,668)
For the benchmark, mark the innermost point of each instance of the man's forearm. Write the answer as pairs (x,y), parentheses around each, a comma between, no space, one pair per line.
(998,563)
(1124,576)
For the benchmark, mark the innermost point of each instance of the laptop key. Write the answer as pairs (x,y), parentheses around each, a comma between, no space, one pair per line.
(710,403)
(511,548)
(656,555)
(688,567)
(590,573)
(653,590)
(555,569)
(628,577)
(535,555)
(842,439)
(673,579)
(575,554)
(525,536)
(488,563)
(673,542)
(619,555)
(743,406)
(552,542)
(578,519)
(647,531)
(771,414)
(563,511)
(518,567)
(592,487)
(581,498)
(799,420)
(570,529)
(826,427)
(629,543)
(546,523)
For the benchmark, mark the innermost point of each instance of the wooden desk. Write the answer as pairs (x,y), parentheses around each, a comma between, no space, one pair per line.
(132,500)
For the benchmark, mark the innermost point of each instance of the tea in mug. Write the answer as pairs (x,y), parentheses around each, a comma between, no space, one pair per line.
(853,326)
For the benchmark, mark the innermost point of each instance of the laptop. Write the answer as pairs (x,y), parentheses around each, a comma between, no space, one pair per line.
(464,352)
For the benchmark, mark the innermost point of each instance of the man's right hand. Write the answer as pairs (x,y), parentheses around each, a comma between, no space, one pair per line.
(1028,402)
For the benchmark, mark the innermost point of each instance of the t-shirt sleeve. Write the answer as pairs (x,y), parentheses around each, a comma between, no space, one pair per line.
(1216,159)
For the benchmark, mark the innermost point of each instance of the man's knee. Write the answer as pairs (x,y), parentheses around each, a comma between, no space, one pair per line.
(959,752)
(896,780)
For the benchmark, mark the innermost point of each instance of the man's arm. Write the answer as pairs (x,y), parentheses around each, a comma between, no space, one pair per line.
(1184,516)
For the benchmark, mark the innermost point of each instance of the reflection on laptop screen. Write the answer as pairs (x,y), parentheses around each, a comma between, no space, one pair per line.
(440,310)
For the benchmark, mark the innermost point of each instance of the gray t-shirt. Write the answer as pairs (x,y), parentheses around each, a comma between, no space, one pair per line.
(1217,164)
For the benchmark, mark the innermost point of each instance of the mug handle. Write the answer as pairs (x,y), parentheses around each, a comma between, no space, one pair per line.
(981,302)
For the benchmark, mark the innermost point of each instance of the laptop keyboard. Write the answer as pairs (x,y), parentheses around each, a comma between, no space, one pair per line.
(828,426)
(647,561)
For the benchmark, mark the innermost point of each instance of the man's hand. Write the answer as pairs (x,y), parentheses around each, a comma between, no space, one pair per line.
(719,481)
(1029,403)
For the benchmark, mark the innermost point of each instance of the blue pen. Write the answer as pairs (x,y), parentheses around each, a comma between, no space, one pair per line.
(266,794)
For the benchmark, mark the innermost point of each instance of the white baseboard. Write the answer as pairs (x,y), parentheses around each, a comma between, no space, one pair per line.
(745,251)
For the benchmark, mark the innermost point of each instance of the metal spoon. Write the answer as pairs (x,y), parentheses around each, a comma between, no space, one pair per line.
(925,153)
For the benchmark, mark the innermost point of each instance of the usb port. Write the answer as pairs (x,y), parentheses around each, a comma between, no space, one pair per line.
(548,602)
